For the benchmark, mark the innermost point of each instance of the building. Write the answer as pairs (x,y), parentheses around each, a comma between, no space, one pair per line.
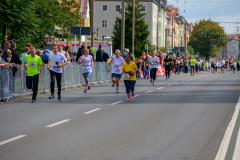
(106,12)
(233,46)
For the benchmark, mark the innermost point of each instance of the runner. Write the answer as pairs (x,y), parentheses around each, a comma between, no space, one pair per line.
(168,62)
(116,62)
(129,70)
(192,62)
(87,61)
(234,64)
(218,66)
(206,66)
(226,65)
(209,67)
(56,60)
(153,62)
(32,72)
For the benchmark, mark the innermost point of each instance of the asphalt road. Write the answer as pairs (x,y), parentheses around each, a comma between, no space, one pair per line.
(182,118)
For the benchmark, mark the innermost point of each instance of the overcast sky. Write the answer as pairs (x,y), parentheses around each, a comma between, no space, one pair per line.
(195,10)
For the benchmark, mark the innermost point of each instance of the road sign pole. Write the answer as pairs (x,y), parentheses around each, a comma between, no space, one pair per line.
(80,37)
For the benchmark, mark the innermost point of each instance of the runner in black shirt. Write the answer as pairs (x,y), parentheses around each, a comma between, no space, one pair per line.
(168,63)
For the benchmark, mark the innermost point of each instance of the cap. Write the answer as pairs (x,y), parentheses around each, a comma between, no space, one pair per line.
(47,50)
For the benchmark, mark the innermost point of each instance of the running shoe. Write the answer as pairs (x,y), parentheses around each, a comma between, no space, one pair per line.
(85,91)
(33,101)
(117,91)
(133,94)
(113,84)
(129,99)
(51,96)
(59,97)
(150,81)
(88,87)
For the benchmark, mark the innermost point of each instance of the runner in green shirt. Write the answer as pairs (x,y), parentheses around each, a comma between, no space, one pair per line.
(192,62)
(31,64)
(206,66)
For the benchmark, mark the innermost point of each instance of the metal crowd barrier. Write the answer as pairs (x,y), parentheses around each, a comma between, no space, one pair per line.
(15,85)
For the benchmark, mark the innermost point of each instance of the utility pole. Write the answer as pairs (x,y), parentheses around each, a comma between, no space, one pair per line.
(159,6)
(91,3)
(172,33)
(133,27)
(123,27)
(166,40)
(185,40)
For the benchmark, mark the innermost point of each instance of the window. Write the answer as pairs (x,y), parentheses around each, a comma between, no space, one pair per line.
(103,38)
(143,8)
(104,23)
(105,8)
(117,7)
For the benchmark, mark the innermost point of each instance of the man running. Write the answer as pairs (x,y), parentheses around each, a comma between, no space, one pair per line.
(153,62)
(57,61)
(32,72)
(206,66)
(234,64)
(192,62)
(87,64)
(222,66)
(168,63)
(116,62)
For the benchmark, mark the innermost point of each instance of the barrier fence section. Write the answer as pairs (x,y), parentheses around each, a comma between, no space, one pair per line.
(14,83)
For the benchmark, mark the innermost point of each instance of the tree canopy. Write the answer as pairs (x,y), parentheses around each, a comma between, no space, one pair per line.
(205,38)
(30,21)
(141,29)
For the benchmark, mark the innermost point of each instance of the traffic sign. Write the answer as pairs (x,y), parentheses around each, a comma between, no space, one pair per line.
(84,30)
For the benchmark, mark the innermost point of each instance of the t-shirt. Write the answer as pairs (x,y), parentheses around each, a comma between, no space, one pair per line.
(185,63)
(206,64)
(116,62)
(234,64)
(128,68)
(56,58)
(167,61)
(152,63)
(32,64)
(45,57)
(143,57)
(192,62)
(222,63)
(86,65)
(23,56)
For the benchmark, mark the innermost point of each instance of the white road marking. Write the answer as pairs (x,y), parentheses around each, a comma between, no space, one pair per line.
(192,79)
(116,103)
(149,92)
(94,110)
(161,88)
(188,80)
(236,153)
(135,96)
(227,136)
(183,81)
(58,123)
(169,85)
(12,139)
(176,83)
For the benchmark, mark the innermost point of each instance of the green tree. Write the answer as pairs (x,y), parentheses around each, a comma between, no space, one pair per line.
(205,38)
(141,29)
(190,50)
(30,21)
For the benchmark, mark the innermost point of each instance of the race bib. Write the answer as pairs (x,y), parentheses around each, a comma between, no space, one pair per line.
(85,68)
(153,65)
(117,69)
(32,64)
(126,76)
(191,64)
(167,63)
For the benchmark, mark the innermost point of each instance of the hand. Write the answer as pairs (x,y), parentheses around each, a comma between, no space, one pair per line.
(132,72)
(39,73)
(48,67)
(5,38)
(26,72)
(108,69)
(59,65)
(119,68)
(83,60)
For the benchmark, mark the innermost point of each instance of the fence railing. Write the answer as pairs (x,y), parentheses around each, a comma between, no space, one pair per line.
(15,84)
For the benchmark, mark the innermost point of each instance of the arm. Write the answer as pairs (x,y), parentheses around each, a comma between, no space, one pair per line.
(109,65)
(25,68)
(101,56)
(41,68)
(49,62)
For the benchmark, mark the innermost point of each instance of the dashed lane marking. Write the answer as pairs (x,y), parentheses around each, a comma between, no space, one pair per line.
(94,110)
(116,103)
(12,139)
(148,91)
(58,123)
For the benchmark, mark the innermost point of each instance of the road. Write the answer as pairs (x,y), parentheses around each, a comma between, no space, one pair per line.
(182,118)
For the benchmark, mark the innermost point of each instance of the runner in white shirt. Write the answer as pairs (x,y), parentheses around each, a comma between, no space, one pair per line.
(234,64)
(222,66)
(87,64)
(218,66)
(116,62)
(153,62)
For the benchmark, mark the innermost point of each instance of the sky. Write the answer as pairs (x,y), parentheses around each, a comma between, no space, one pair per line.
(195,10)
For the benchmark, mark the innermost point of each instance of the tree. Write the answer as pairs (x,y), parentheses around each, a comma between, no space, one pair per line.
(190,50)
(205,38)
(30,21)
(141,29)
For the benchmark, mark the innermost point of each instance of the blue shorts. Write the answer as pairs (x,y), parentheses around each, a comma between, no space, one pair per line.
(116,75)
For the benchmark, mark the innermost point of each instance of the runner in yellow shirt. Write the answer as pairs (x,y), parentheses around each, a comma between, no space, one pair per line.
(192,62)
(206,66)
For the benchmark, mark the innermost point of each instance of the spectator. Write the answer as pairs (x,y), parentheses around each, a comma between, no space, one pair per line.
(15,56)
(138,74)
(125,53)
(45,56)
(90,52)
(23,56)
(99,54)
(67,50)
(63,49)
(80,52)
(38,52)
(5,47)
(105,56)
(143,56)
(29,45)
(132,57)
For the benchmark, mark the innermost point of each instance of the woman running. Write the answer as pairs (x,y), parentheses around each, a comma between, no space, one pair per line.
(234,64)
(87,66)
(129,70)
(116,62)
(153,62)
